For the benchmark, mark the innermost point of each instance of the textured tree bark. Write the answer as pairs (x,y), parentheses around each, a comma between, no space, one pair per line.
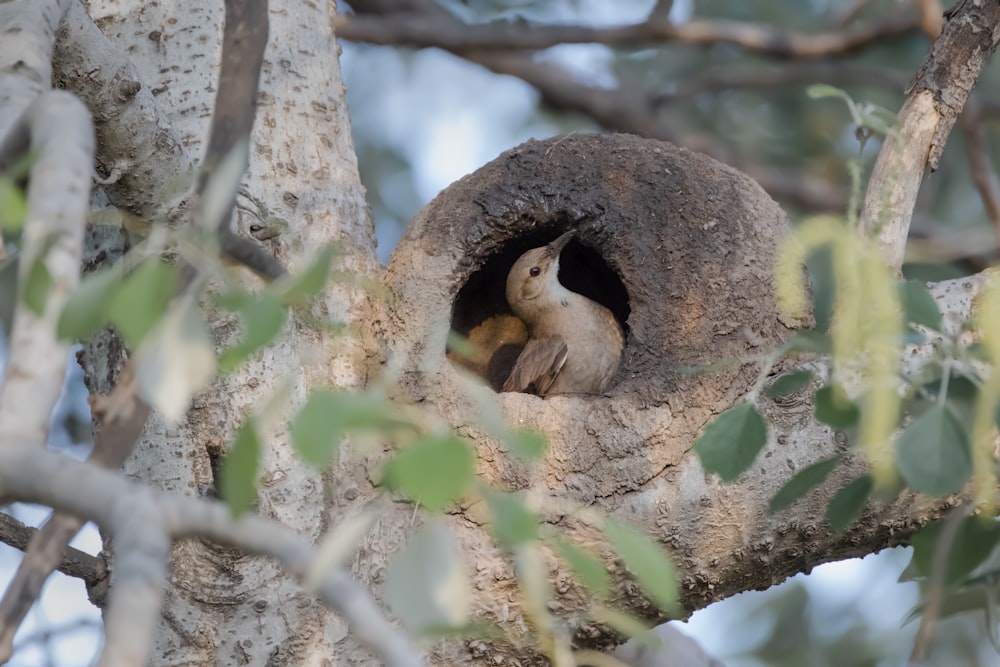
(303,188)
(681,248)
(689,243)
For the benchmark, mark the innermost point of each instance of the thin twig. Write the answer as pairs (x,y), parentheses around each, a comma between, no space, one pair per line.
(937,583)
(422,30)
(981,168)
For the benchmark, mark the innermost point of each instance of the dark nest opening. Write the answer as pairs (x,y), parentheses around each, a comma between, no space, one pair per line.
(482,317)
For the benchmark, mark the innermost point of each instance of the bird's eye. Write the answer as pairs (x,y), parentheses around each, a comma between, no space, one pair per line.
(534,271)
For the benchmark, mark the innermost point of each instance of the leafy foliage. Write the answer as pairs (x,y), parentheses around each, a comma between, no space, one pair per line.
(731,442)
(434,471)
(240,469)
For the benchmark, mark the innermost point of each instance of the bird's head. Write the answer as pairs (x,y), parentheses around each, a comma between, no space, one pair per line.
(535,273)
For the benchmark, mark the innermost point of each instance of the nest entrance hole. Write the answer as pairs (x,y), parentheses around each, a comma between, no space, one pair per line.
(482,315)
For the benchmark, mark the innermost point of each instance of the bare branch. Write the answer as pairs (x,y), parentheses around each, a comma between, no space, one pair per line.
(122,416)
(981,168)
(787,74)
(73,563)
(56,127)
(937,583)
(142,521)
(142,175)
(631,111)
(422,30)
(243,42)
(27,31)
(936,97)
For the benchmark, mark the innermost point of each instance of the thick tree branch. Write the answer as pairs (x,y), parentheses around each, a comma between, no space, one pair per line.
(142,521)
(122,416)
(620,110)
(74,563)
(631,111)
(937,95)
(56,128)
(227,154)
(449,33)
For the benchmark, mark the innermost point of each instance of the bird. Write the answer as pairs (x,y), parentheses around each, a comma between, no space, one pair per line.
(574,343)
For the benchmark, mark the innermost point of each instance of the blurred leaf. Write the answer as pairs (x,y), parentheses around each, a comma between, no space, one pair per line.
(919,306)
(731,442)
(87,309)
(142,300)
(533,580)
(318,428)
(219,193)
(37,286)
(810,341)
(512,522)
(434,471)
(426,583)
(846,504)
(647,562)
(803,481)
(824,287)
(588,568)
(627,625)
(789,383)
(13,206)
(974,598)
(933,453)
(820,90)
(337,547)
(527,445)
(176,360)
(328,416)
(974,541)
(834,408)
(262,320)
(311,281)
(240,469)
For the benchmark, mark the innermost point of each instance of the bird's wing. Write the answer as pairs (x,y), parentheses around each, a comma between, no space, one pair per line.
(537,366)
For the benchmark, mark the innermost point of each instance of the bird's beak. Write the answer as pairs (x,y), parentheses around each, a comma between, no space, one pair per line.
(556,246)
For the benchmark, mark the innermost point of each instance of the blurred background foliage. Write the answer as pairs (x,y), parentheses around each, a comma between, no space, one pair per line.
(423,118)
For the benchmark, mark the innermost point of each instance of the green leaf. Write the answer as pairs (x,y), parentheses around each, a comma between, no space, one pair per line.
(262,320)
(789,383)
(37,287)
(176,360)
(810,341)
(527,445)
(588,568)
(628,625)
(803,481)
(426,583)
(846,504)
(820,90)
(650,566)
(834,408)
(87,309)
(13,206)
(310,282)
(974,541)
(933,453)
(918,304)
(142,299)
(435,471)
(240,469)
(824,287)
(512,522)
(328,416)
(318,429)
(731,442)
